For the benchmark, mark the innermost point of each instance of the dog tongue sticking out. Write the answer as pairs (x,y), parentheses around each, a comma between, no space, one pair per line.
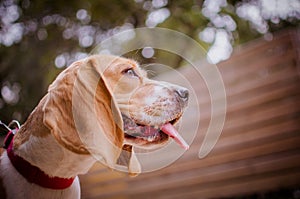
(170,130)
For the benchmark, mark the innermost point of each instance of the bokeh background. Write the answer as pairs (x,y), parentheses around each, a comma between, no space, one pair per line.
(40,38)
(254,43)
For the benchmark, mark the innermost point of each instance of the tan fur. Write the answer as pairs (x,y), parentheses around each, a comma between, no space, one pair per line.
(58,107)
(30,127)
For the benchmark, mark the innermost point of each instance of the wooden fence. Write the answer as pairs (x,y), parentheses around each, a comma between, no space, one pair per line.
(259,148)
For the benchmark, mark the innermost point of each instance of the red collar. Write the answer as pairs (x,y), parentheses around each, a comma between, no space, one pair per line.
(32,173)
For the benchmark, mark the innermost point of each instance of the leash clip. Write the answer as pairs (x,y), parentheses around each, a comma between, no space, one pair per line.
(11,132)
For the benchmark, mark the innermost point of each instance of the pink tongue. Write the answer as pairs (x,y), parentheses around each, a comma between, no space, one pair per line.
(172,132)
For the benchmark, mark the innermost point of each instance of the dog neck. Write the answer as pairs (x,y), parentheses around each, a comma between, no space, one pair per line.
(35,144)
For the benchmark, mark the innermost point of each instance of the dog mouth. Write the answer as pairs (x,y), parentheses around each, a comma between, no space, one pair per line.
(152,134)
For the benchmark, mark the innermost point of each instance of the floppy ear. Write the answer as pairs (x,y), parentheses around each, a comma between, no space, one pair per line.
(82,115)
(127,156)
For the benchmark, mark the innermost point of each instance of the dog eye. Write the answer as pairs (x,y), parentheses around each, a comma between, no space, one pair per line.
(130,72)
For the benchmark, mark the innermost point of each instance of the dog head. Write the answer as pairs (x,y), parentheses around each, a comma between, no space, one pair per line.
(103,103)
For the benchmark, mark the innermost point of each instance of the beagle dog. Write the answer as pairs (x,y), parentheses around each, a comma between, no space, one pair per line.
(95,110)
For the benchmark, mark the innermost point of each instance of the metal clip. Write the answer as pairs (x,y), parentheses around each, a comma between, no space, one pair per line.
(12,128)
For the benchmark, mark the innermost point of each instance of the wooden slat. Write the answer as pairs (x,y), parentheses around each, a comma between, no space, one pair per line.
(218,158)
(265,67)
(251,184)
(201,177)
(104,191)
(262,95)
(246,53)
(102,181)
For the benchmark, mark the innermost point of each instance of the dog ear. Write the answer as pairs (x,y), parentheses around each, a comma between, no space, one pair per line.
(127,156)
(81,113)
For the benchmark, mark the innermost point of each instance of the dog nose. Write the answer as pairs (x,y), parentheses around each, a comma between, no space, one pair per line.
(183,94)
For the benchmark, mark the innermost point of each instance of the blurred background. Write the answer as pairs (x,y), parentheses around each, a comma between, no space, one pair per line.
(255,44)
(40,38)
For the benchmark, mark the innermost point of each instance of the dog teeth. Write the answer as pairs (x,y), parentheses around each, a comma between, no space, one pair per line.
(151,138)
(156,127)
